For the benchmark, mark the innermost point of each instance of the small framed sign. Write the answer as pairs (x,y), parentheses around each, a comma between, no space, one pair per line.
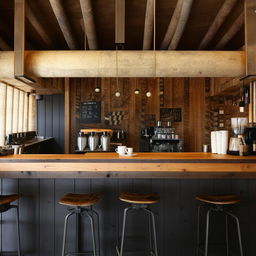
(90,112)
(173,114)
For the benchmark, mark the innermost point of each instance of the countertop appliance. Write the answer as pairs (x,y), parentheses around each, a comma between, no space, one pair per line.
(250,139)
(160,139)
(238,125)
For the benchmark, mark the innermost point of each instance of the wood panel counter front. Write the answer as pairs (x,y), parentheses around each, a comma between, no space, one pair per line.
(142,165)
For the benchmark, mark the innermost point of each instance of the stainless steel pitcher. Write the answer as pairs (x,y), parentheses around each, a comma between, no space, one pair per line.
(81,141)
(93,141)
(105,141)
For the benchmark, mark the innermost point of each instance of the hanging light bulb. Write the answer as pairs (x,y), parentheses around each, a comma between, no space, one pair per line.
(136,91)
(97,89)
(148,94)
(117,94)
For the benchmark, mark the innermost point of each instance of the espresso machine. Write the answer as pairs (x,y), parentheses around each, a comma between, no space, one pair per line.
(238,126)
(160,139)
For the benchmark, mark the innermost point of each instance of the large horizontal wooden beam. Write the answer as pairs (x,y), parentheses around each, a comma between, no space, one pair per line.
(130,63)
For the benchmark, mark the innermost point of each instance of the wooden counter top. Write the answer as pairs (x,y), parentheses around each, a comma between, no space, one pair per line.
(142,165)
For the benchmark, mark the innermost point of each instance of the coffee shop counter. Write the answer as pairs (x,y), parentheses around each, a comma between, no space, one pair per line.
(140,165)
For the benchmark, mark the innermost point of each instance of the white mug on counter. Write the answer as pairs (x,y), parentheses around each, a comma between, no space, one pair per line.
(121,150)
(129,151)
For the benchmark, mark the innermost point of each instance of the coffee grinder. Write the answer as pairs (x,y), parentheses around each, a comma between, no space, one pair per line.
(238,125)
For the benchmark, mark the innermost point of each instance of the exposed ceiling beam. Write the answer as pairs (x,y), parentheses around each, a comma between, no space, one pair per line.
(250,37)
(236,26)
(130,63)
(185,11)
(87,12)
(63,23)
(149,25)
(172,26)
(3,45)
(218,21)
(32,18)
(83,28)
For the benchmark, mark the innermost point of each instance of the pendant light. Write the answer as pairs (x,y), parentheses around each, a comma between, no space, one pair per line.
(148,93)
(117,93)
(136,91)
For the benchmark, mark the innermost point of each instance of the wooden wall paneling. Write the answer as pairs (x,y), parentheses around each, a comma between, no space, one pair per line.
(178,102)
(168,92)
(21,112)
(185,115)
(67,116)
(3,94)
(15,110)
(30,216)
(8,223)
(133,117)
(32,113)
(25,114)
(47,217)
(196,114)
(63,187)
(9,109)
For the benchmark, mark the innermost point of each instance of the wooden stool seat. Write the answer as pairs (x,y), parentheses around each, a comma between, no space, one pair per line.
(137,198)
(7,199)
(218,199)
(80,199)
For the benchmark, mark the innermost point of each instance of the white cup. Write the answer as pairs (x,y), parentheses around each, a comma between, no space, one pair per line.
(129,151)
(121,150)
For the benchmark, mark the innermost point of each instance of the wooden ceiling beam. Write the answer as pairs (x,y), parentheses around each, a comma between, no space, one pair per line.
(149,25)
(63,23)
(130,63)
(32,18)
(3,45)
(218,21)
(89,25)
(184,15)
(172,26)
(236,26)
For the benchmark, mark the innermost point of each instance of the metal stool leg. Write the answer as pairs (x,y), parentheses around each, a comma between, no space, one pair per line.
(227,242)
(17,228)
(198,229)
(150,234)
(154,231)
(120,252)
(207,232)
(238,232)
(65,233)
(98,230)
(93,234)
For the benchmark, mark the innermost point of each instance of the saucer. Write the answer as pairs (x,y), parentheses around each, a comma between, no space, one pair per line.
(129,155)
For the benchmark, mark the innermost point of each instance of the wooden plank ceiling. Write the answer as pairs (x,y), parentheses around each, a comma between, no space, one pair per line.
(59,24)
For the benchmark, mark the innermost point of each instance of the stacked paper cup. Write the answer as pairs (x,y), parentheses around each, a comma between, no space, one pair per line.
(219,142)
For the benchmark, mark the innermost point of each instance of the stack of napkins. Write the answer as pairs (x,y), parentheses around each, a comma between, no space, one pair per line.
(219,142)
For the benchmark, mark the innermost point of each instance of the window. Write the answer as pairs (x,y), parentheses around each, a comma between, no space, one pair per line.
(17,111)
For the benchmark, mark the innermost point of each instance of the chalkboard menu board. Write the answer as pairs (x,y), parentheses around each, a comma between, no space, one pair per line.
(90,112)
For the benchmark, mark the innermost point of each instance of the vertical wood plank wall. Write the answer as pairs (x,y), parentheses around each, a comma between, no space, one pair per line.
(42,217)
(139,111)
(50,119)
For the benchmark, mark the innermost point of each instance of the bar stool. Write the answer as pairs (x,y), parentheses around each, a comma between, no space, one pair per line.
(217,203)
(5,205)
(139,202)
(81,204)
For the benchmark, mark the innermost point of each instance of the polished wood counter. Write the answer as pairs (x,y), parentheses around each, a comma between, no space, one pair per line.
(141,165)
